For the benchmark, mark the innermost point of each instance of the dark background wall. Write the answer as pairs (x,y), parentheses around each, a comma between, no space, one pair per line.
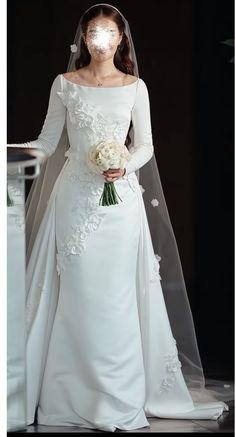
(191,85)
(213,135)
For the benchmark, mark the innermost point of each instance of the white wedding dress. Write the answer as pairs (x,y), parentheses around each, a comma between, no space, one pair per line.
(100,350)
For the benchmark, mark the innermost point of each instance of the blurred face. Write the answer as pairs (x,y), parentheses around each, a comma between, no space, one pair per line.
(102,38)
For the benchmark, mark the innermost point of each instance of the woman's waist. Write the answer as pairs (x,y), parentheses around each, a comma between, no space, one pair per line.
(78,164)
(78,173)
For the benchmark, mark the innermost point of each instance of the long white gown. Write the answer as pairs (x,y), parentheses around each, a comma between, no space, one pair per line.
(100,350)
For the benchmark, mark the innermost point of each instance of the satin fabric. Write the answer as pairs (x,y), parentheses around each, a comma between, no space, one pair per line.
(100,351)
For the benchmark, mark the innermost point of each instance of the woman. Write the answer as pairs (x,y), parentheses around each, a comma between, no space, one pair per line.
(101,352)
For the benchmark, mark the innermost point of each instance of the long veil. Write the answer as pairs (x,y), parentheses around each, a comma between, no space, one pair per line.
(163,240)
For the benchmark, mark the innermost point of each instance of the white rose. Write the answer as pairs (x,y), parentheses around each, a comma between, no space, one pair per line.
(108,155)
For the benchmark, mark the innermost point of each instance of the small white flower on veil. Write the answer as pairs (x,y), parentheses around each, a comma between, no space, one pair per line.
(141,188)
(73,48)
(154,202)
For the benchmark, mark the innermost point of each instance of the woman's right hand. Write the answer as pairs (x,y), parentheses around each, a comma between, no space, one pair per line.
(112,174)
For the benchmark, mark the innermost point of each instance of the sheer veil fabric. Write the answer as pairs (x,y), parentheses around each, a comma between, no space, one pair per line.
(163,240)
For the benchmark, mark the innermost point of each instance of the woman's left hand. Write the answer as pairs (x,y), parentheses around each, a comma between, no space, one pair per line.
(112,174)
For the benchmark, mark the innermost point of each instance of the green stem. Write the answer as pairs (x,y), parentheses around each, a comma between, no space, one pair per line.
(114,195)
(109,195)
(106,194)
(113,200)
(117,194)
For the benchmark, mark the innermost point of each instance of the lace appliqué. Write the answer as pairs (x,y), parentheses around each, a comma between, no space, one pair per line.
(98,126)
(172,366)
(88,219)
(156,267)
(75,243)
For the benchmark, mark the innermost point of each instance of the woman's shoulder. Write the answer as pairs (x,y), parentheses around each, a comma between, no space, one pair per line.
(69,75)
(77,76)
(129,79)
(135,79)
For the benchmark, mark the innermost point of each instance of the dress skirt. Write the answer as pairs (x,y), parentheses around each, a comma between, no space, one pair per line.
(94,368)
(100,350)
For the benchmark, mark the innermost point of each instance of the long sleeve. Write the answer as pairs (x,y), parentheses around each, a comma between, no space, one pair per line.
(143,148)
(53,124)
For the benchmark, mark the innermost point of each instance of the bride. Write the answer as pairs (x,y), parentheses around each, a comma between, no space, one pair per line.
(111,339)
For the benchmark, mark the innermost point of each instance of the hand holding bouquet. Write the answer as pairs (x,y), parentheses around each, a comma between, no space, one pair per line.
(102,157)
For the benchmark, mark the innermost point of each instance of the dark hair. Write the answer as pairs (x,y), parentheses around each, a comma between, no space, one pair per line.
(122,60)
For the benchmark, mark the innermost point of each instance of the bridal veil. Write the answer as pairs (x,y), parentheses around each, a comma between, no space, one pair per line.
(163,239)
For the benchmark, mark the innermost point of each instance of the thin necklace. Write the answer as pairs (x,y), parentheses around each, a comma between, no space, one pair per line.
(99,83)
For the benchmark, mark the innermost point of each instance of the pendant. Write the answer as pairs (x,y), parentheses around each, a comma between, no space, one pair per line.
(99,83)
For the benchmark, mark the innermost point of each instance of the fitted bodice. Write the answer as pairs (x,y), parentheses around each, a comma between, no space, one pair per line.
(96,114)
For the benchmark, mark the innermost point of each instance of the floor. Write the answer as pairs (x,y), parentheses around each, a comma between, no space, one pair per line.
(224,424)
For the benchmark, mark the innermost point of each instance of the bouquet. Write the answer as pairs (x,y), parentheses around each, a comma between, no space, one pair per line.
(103,156)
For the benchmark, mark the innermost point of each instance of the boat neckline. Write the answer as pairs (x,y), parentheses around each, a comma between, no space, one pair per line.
(99,87)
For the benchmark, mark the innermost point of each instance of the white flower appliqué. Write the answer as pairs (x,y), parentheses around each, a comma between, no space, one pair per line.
(154,202)
(99,127)
(156,267)
(172,366)
(85,208)
(73,48)
(95,127)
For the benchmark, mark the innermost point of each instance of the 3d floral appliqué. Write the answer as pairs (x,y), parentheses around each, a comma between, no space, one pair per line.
(154,202)
(172,366)
(73,48)
(156,267)
(83,115)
